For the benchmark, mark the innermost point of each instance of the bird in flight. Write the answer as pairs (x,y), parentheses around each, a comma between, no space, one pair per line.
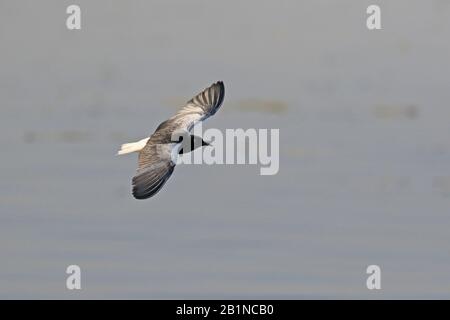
(158,153)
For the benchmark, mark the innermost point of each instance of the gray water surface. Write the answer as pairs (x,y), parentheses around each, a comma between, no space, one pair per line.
(364,149)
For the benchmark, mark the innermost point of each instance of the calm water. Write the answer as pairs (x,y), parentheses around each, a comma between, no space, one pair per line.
(364,145)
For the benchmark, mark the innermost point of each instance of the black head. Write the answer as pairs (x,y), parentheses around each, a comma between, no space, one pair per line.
(195,142)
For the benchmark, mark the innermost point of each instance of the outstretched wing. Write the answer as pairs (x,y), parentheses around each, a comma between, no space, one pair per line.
(155,168)
(155,159)
(202,106)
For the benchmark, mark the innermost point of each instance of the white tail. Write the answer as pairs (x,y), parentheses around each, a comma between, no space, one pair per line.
(133,146)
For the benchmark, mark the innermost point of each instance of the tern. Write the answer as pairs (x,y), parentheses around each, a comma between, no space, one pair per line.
(158,153)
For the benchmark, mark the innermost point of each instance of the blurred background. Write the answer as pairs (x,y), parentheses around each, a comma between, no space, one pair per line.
(364,145)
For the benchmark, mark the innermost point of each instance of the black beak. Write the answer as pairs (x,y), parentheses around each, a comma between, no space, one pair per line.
(204,143)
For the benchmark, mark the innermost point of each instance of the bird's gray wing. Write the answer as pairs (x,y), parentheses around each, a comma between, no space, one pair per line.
(155,159)
(202,106)
(155,168)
